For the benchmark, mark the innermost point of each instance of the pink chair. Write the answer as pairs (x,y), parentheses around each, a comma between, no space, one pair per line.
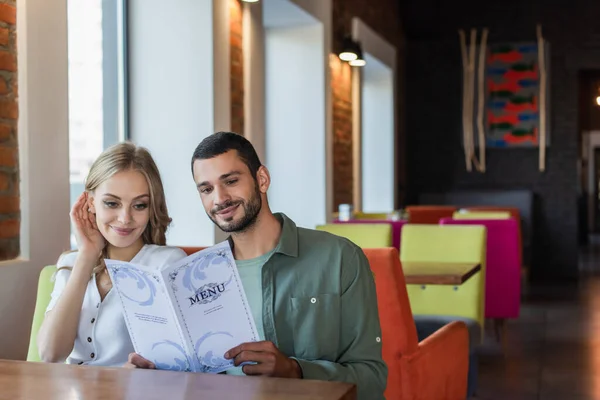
(503,266)
(396,227)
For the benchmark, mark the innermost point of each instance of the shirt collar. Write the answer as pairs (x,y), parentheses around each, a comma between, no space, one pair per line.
(288,240)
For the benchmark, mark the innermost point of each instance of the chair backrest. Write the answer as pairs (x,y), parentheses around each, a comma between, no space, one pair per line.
(365,215)
(503,266)
(363,235)
(44,290)
(443,243)
(452,244)
(429,214)
(481,215)
(515,213)
(396,227)
(189,250)
(398,329)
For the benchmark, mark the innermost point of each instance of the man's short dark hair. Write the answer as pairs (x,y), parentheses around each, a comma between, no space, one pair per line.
(221,142)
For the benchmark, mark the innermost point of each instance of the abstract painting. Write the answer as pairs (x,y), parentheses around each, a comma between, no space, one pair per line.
(513,95)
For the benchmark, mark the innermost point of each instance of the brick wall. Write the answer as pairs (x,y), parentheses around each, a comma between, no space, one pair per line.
(9,171)
(433,109)
(341,85)
(237,66)
(383,16)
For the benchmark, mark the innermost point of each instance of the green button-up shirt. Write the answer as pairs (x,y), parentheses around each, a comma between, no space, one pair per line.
(320,307)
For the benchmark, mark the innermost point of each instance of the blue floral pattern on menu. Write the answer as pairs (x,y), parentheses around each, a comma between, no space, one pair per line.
(195,274)
(209,361)
(178,364)
(146,286)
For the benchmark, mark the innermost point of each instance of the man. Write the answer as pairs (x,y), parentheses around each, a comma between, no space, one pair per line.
(312,294)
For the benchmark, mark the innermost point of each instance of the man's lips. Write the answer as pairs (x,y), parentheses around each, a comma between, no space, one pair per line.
(227,211)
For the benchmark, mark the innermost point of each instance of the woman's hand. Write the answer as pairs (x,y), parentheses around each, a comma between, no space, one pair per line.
(90,241)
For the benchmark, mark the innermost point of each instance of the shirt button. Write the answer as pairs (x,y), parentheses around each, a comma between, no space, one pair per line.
(90,340)
(93,320)
(378,339)
(313,300)
(92,355)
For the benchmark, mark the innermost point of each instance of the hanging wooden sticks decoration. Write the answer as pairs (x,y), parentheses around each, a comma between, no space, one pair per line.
(465,106)
(481,99)
(542,107)
(468,59)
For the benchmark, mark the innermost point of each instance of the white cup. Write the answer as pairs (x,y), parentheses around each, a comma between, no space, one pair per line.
(345,212)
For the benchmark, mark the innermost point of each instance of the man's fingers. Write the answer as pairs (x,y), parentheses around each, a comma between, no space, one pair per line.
(257,369)
(260,357)
(250,346)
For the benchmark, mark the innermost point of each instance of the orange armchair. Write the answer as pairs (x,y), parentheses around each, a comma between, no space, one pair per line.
(191,250)
(435,368)
(423,214)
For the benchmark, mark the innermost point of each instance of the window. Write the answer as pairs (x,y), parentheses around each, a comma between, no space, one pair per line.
(97,84)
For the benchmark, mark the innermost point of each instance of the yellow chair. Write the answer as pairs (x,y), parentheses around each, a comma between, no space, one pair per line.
(454,244)
(45,287)
(364,215)
(363,235)
(481,215)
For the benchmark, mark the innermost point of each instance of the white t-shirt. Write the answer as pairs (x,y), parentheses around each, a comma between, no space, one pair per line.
(102,337)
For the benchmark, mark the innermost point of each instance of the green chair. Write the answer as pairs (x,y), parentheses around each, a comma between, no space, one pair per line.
(451,244)
(363,235)
(45,287)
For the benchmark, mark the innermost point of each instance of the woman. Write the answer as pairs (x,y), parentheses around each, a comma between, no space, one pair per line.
(122,215)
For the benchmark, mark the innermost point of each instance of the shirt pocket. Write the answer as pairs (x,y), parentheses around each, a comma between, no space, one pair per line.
(315,326)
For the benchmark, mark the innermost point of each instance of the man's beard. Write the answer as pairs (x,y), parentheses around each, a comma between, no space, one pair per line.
(251,209)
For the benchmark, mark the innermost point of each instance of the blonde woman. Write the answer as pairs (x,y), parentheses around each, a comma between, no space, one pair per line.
(122,215)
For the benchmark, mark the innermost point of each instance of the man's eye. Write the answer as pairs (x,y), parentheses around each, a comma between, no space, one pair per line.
(231,181)
(205,190)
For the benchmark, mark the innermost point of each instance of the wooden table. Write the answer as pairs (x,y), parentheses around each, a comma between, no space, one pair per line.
(20,380)
(438,273)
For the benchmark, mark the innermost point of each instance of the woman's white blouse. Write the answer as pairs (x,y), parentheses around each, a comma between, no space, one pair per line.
(102,336)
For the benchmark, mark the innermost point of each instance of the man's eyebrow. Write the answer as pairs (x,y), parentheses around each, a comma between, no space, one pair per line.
(221,178)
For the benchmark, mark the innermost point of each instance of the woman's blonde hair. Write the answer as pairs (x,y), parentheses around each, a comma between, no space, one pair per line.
(127,156)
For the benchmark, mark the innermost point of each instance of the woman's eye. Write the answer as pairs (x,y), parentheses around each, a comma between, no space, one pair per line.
(141,206)
(111,204)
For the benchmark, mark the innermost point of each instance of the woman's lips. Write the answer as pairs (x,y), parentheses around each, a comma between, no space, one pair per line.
(122,231)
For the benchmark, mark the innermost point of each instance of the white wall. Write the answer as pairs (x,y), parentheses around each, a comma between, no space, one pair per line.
(295,123)
(44,169)
(377,137)
(298,124)
(375,133)
(179,94)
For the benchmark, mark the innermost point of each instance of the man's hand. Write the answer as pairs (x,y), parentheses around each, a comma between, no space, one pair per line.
(269,360)
(137,361)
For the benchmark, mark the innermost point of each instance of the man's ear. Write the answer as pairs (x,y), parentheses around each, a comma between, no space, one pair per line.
(263,178)
(90,203)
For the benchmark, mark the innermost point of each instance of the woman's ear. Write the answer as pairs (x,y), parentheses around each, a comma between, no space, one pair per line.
(263,179)
(90,203)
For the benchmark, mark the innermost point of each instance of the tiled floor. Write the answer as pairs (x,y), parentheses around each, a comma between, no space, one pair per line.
(552,352)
